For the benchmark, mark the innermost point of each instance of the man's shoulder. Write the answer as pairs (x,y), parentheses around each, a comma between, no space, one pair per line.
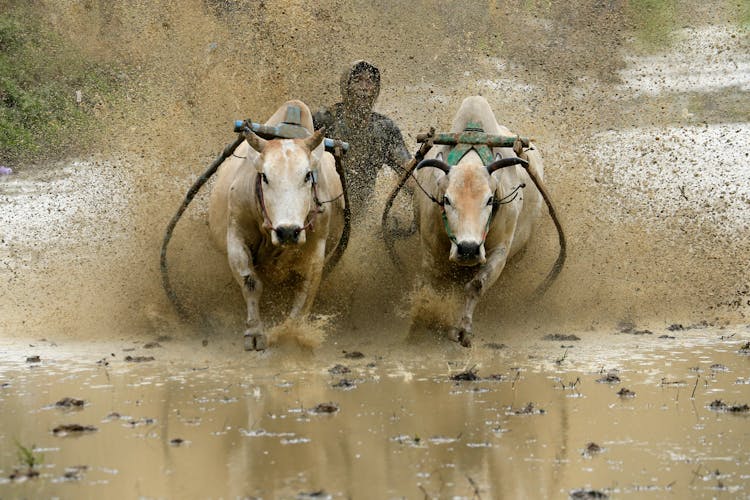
(327,115)
(383,121)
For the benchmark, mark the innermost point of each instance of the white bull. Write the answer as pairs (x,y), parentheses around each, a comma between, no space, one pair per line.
(277,211)
(470,220)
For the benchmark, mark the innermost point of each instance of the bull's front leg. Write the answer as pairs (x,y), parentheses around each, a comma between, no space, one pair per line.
(240,262)
(474,290)
(308,289)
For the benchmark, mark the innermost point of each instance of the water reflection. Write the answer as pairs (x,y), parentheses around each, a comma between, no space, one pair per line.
(522,429)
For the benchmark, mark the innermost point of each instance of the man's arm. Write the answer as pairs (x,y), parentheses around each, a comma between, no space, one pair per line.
(397,156)
(322,118)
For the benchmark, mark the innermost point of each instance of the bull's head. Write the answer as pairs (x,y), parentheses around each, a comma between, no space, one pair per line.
(287,174)
(468,197)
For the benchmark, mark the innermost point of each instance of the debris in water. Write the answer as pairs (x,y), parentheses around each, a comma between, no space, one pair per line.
(719,405)
(529,409)
(561,337)
(353,355)
(610,378)
(745,348)
(74,473)
(675,327)
(314,495)
(468,375)
(141,422)
(591,449)
(176,441)
(29,473)
(65,429)
(718,367)
(680,383)
(626,393)
(33,359)
(5,170)
(667,337)
(339,370)
(570,385)
(345,384)
(67,402)
(330,407)
(151,345)
(138,359)
(587,494)
(495,345)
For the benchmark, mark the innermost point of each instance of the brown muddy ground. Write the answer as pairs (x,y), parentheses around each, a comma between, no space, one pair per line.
(640,111)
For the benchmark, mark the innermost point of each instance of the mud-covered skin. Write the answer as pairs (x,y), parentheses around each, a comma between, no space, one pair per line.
(467,191)
(374,139)
(265,211)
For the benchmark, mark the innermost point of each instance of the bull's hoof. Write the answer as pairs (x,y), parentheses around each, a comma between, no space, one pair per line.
(255,340)
(460,335)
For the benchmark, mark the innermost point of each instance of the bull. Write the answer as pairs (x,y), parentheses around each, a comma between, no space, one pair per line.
(476,215)
(277,211)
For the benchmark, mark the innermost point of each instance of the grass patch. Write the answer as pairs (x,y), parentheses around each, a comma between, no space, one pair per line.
(49,93)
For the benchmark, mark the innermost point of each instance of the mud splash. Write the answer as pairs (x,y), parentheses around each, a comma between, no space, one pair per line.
(647,169)
(645,190)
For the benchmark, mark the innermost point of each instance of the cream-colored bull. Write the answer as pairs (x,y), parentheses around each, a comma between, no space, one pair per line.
(472,222)
(277,211)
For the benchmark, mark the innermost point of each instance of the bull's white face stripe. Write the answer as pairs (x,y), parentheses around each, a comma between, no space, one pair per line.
(468,188)
(288,195)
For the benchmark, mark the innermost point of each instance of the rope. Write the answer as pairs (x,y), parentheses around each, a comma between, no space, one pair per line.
(228,151)
(418,156)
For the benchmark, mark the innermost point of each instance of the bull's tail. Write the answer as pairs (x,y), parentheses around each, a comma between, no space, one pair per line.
(181,311)
(558,265)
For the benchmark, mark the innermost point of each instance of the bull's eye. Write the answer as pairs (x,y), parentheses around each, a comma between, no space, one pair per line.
(309,176)
(446,201)
(491,201)
(263,177)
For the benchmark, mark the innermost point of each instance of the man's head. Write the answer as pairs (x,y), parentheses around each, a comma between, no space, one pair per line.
(360,86)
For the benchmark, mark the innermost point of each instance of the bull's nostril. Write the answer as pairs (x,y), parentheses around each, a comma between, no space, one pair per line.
(288,234)
(468,250)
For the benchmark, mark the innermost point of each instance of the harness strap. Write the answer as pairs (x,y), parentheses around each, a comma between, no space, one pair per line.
(268,225)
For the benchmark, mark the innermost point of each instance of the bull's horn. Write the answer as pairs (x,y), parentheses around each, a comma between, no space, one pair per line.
(434,162)
(256,142)
(314,140)
(505,162)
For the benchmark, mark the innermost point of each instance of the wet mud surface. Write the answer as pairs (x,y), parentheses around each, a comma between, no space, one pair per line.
(630,378)
(615,415)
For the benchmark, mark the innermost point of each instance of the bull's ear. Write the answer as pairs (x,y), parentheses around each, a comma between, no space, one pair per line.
(256,142)
(439,156)
(314,140)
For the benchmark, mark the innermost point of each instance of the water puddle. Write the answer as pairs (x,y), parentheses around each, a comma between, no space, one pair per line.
(622,415)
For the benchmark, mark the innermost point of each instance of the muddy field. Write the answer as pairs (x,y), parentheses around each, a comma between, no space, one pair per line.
(629,378)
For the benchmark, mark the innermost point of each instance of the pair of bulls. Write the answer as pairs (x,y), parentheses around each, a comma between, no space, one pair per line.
(277,208)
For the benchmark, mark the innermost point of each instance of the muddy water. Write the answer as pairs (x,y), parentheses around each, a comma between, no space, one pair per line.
(626,415)
(641,114)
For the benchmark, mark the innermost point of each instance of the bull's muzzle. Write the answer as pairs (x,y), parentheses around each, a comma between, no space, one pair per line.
(468,253)
(288,235)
